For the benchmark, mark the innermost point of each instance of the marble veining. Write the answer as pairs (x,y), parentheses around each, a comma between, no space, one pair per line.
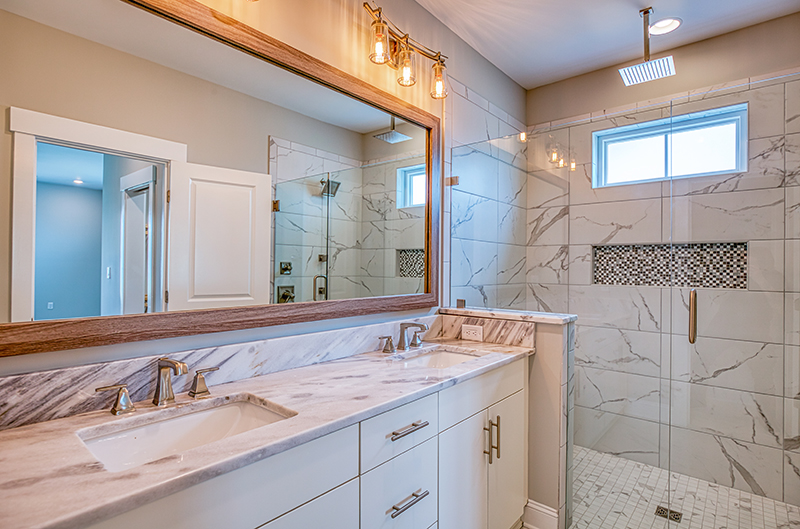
(512,315)
(43,396)
(517,333)
(48,460)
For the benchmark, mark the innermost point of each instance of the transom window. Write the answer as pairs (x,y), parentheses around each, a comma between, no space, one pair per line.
(705,143)
(411,186)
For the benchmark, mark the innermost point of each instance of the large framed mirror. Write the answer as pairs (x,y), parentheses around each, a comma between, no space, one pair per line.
(176,172)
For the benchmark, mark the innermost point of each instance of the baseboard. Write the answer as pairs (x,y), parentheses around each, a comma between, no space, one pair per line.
(538,516)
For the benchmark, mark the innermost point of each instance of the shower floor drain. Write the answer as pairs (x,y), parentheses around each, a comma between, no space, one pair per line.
(674,516)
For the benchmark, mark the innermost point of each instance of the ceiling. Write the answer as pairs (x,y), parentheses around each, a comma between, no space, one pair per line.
(537,42)
(62,165)
(121,26)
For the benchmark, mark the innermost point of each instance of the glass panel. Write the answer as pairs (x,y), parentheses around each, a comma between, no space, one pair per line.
(634,160)
(705,150)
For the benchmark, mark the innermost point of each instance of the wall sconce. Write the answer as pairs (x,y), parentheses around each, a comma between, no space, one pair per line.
(394,48)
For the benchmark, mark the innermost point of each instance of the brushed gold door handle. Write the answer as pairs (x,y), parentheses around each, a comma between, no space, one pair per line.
(692,315)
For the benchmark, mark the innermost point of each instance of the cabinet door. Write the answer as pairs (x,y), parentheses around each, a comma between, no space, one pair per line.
(337,509)
(463,475)
(507,472)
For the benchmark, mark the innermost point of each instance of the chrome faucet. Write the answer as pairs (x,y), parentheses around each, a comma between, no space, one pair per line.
(402,344)
(166,367)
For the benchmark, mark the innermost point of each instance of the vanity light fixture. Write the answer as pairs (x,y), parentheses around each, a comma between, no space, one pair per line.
(648,70)
(394,48)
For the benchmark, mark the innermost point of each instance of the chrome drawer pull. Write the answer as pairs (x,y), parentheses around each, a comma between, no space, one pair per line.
(415,497)
(415,427)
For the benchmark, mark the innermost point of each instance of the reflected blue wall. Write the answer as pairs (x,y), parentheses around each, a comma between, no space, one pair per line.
(68,249)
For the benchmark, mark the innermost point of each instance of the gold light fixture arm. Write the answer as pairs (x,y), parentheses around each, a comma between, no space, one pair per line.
(402,37)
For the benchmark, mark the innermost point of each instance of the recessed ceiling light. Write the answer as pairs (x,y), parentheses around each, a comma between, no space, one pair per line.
(77,181)
(664,26)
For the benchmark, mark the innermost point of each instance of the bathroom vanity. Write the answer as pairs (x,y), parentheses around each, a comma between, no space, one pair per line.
(434,435)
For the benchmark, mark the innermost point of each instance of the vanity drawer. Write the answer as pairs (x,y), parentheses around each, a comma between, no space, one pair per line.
(338,509)
(393,432)
(394,483)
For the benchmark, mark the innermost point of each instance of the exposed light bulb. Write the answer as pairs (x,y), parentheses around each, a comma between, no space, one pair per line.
(523,137)
(407,61)
(554,156)
(572,165)
(561,162)
(379,50)
(439,85)
(380,43)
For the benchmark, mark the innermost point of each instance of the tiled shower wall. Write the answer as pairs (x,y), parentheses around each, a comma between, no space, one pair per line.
(732,398)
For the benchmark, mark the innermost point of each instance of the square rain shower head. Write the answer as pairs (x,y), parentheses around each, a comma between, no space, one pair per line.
(648,71)
(392,136)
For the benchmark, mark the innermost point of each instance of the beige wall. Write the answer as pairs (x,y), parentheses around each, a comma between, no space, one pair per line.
(757,50)
(50,71)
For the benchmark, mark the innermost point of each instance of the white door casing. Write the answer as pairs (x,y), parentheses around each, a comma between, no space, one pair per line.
(138,190)
(219,237)
(29,127)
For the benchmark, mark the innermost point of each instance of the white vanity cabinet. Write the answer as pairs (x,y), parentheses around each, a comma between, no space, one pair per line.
(475,493)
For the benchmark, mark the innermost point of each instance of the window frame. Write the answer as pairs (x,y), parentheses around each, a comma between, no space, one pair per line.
(404,188)
(666,127)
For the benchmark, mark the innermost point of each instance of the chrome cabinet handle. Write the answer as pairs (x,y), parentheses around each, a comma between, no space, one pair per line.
(415,427)
(415,498)
(692,315)
(496,447)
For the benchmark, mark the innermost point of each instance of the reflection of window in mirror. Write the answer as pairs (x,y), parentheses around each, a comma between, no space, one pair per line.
(411,186)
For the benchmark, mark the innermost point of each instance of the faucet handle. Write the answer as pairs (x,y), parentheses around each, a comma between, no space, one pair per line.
(389,346)
(199,387)
(416,341)
(123,404)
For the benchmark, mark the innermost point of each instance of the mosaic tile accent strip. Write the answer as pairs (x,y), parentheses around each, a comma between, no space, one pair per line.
(703,265)
(411,263)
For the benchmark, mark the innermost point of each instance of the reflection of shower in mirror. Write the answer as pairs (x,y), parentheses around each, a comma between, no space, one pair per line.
(329,187)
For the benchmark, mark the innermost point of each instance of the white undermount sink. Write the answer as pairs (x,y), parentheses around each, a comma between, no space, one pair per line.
(161,437)
(438,359)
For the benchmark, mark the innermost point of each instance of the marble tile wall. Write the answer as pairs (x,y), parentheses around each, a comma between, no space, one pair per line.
(727,408)
(483,253)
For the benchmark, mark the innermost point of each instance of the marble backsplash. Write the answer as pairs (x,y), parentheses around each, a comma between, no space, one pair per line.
(41,396)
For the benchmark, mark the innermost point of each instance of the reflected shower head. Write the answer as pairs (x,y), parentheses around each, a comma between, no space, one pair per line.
(392,136)
(329,187)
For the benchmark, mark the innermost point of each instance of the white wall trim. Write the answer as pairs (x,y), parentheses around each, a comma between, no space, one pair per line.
(45,126)
(538,516)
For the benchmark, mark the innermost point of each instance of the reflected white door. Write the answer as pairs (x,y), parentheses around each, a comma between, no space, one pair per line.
(137,216)
(219,237)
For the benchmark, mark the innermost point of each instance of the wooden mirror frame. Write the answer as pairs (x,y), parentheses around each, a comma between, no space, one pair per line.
(59,335)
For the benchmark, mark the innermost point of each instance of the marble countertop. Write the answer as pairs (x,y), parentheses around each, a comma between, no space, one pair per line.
(553,318)
(49,479)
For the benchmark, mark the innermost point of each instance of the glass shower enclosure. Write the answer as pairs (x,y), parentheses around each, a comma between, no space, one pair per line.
(686,288)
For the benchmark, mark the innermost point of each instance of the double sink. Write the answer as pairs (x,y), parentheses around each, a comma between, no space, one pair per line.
(136,441)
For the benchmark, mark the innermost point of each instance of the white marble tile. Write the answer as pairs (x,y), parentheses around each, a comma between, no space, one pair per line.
(792,371)
(792,167)
(580,265)
(511,296)
(548,188)
(629,308)
(548,226)
(471,123)
(791,423)
(510,264)
(511,224)
(792,315)
(743,466)
(735,364)
(749,417)
(731,314)
(627,437)
(294,164)
(621,393)
(300,229)
(481,296)
(547,298)
(477,172)
(765,109)
(474,217)
(618,350)
(473,263)
(765,263)
(792,107)
(512,185)
(582,192)
(739,216)
(791,480)
(635,221)
(793,212)
(765,170)
(402,233)
(547,264)
(739,85)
